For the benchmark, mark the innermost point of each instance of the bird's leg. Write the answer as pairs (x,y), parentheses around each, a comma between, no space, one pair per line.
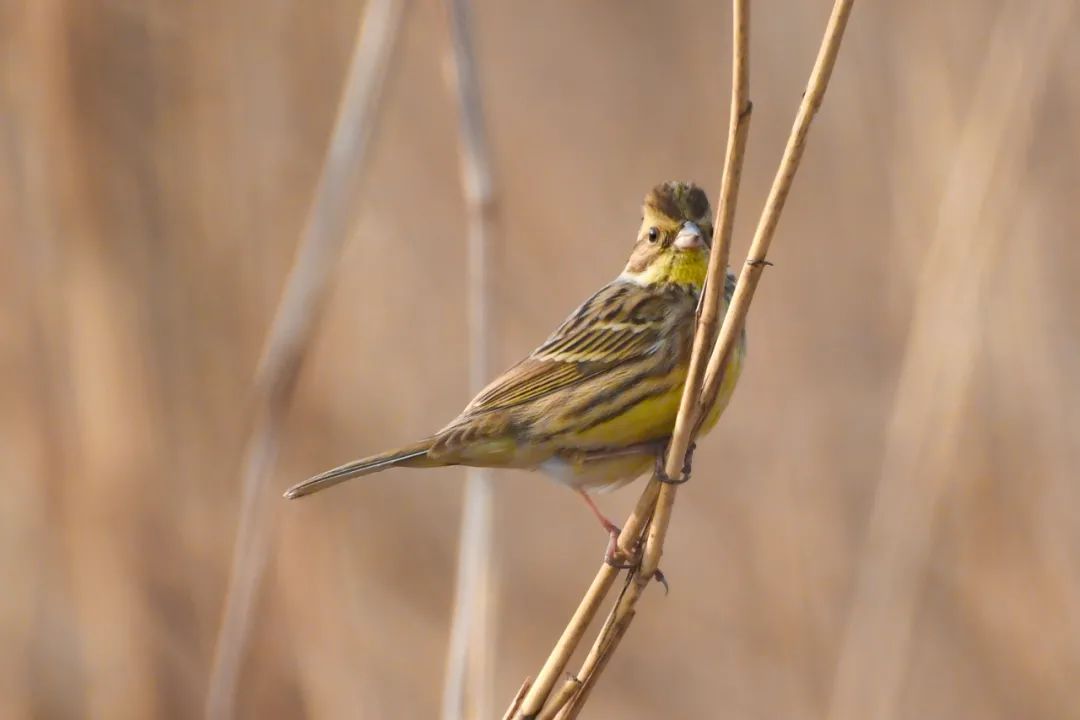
(661,473)
(613,554)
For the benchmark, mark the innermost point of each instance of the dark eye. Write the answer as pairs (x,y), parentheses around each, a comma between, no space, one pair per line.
(654,234)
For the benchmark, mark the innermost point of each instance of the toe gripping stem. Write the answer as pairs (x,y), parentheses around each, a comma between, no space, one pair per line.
(661,473)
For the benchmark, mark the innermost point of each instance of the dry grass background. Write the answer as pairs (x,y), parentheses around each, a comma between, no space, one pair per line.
(156,162)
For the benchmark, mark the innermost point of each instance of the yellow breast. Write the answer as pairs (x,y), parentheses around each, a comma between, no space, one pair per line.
(654,417)
(650,418)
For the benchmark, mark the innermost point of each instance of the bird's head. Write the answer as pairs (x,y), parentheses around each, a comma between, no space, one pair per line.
(675,236)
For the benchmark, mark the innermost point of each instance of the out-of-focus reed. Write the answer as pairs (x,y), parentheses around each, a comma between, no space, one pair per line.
(157,163)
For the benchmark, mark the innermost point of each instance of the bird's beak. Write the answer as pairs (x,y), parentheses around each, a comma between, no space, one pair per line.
(690,238)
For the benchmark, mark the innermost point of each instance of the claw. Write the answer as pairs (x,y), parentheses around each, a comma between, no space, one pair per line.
(661,473)
(689,460)
(660,578)
(614,555)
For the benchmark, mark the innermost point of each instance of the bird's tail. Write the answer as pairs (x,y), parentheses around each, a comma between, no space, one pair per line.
(415,455)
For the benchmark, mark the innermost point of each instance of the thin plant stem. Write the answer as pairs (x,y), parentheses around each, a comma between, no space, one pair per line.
(467,686)
(694,402)
(706,331)
(515,704)
(947,338)
(705,390)
(286,344)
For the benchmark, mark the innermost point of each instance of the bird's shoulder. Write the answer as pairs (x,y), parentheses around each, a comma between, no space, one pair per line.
(621,323)
(619,304)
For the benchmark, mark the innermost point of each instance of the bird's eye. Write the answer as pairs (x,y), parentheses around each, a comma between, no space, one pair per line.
(654,234)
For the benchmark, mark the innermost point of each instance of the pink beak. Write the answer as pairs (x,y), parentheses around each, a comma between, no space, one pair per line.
(690,237)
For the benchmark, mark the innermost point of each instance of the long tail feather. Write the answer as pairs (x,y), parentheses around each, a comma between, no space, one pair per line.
(410,456)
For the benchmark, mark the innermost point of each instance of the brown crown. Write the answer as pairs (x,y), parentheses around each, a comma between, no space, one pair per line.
(678,201)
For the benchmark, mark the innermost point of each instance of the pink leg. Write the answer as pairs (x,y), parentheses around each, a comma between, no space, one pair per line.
(605,523)
(613,552)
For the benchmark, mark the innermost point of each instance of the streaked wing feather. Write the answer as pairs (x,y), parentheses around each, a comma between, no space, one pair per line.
(601,335)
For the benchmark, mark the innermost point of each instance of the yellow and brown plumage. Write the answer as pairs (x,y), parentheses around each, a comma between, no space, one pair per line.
(595,403)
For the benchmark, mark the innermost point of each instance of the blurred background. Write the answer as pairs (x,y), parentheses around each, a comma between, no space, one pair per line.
(891,494)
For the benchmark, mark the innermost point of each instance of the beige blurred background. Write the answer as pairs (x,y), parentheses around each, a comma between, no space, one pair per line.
(892,493)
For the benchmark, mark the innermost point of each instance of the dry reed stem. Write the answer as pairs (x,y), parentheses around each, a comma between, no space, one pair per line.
(294,322)
(574,689)
(597,656)
(711,301)
(692,406)
(84,601)
(734,321)
(695,404)
(789,163)
(467,687)
(605,650)
(40,194)
(562,696)
(515,704)
(943,346)
(575,629)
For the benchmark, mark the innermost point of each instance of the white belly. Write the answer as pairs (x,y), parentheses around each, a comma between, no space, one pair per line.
(597,475)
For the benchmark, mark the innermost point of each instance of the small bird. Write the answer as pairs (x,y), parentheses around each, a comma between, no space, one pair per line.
(595,404)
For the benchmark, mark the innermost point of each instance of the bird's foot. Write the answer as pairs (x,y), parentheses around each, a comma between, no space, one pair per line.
(620,559)
(660,578)
(614,555)
(661,473)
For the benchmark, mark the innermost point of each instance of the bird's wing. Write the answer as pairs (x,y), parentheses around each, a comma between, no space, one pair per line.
(620,324)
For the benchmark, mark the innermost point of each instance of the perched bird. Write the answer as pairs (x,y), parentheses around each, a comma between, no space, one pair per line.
(595,404)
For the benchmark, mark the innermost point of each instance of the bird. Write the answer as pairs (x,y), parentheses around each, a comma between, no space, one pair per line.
(594,405)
